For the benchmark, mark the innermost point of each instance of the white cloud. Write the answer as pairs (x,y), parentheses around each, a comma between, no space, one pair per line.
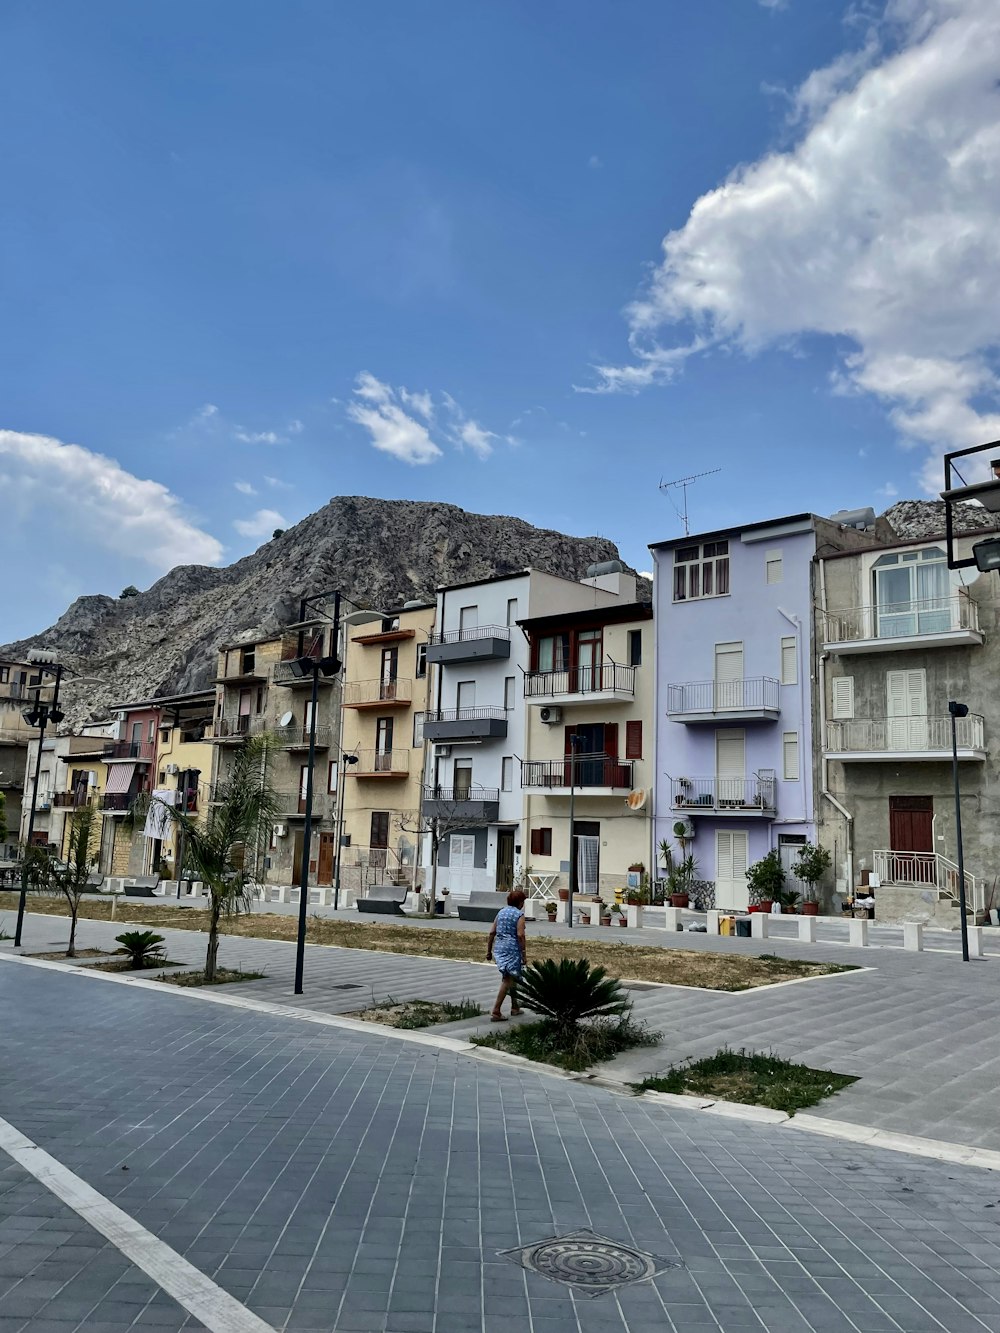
(594,162)
(277,483)
(244,488)
(206,413)
(476,438)
(90,498)
(421,403)
(879,227)
(390,428)
(258,436)
(261,524)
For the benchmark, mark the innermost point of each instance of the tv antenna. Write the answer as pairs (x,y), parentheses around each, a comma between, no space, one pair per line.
(682,483)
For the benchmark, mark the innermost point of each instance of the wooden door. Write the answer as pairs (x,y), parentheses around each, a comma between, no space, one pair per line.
(911,823)
(324,873)
(297,857)
(378,840)
(505,859)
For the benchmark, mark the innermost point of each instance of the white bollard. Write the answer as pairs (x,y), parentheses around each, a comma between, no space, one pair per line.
(562,913)
(975,941)
(858,930)
(595,913)
(634,913)
(282,893)
(531,909)
(913,936)
(712,922)
(759,922)
(807,929)
(672,918)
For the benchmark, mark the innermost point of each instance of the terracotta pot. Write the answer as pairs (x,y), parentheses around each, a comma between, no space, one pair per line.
(605,921)
(766,904)
(809,909)
(679,900)
(623,921)
(564,895)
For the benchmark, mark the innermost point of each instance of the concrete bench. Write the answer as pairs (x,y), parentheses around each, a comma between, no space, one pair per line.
(143,886)
(385,899)
(95,883)
(482,906)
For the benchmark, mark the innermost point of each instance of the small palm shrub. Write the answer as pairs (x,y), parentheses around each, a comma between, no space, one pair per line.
(569,990)
(144,948)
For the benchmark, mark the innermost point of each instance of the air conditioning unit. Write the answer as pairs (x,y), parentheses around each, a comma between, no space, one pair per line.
(683,828)
(173,769)
(281,830)
(550,714)
(442,751)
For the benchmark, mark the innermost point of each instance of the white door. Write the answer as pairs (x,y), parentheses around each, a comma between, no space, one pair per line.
(468,621)
(465,695)
(906,709)
(728,675)
(730,766)
(731,855)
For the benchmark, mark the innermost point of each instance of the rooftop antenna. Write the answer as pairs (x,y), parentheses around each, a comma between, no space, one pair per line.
(683,483)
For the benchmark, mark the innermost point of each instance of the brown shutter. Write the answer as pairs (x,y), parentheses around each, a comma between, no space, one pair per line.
(633,740)
(536,842)
(611,739)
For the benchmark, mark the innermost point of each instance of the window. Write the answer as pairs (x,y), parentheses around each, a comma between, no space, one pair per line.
(463,779)
(511,610)
(465,694)
(701,571)
(331,779)
(789,660)
(541,842)
(259,702)
(772,566)
(633,740)
(728,675)
(4,675)
(379,837)
(507,773)
(468,621)
(462,852)
(508,692)
(151,731)
(383,735)
(421,667)
(635,647)
(790,755)
(913,593)
(248,661)
(842,688)
(418,730)
(553,652)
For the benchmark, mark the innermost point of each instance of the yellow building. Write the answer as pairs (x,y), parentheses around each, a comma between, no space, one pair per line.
(71,777)
(184,759)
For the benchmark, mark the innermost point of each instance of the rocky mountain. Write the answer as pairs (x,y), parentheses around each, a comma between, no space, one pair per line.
(378,552)
(913,519)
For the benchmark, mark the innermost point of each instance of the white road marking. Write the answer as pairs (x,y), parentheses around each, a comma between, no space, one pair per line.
(189,1287)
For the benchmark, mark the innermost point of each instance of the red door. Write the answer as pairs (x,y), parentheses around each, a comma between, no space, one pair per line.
(911,832)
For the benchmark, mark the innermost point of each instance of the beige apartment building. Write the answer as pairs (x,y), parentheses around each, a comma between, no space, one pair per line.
(19,683)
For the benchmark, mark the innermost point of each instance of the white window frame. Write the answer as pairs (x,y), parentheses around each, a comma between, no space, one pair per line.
(708,565)
(842,698)
(511,610)
(507,773)
(418,730)
(421,663)
(790,746)
(509,693)
(462,851)
(789,660)
(773,571)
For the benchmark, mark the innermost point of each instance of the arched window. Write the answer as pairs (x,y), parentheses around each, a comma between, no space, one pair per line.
(912,593)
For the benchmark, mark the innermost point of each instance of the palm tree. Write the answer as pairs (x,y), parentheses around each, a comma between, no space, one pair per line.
(224,849)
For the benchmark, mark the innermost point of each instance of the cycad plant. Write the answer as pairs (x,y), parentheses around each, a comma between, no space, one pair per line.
(567,991)
(144,948)
(224,849)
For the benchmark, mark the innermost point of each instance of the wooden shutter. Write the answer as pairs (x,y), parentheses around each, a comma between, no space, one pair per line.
(611,739)
(633,740)
(541,842)
(843,696)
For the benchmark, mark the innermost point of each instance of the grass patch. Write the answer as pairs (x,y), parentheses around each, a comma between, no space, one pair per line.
(589,1044)
(678,967)
(416,1013)
(223,977)
(60,955)
(760,1080)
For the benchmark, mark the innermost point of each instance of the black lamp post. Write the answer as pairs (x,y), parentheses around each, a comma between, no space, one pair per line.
(345,761)
(959,710)
(574,741)
(39,715)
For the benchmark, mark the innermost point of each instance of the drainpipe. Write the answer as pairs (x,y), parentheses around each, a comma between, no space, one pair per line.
(824,761)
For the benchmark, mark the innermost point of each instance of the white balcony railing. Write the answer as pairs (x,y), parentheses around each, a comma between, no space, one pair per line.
(910,735)
(927,870)
(754,693)
(898,620)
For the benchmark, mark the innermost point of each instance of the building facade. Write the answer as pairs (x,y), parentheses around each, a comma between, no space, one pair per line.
(20,682)
(71,777)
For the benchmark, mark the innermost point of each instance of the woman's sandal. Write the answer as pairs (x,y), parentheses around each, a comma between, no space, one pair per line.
(516,1013)
(497,1018)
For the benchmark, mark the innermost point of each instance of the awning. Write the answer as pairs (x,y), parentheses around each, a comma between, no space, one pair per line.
(119,778)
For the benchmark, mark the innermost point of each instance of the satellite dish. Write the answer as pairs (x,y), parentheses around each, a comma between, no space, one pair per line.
(635,800)
(286,719)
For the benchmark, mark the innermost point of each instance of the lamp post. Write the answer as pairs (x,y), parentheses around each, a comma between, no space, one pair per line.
(39,715)
(574,740)
(959,710)
(345,761)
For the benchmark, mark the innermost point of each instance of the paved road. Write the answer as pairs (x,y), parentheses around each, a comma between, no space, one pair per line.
(334,1180)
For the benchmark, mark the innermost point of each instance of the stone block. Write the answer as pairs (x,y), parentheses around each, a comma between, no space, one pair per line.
(759,923)
(807,929)
(595,913)
(975,941)
(712,922)
(634,915)
(672,918)
(858,931)
(913,936)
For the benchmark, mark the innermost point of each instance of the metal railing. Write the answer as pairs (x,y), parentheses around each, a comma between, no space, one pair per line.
(118,800)
(141,750)
(585,770)
(372,762)
(377,691)
(928,869)
(912,735)
(720,696)
(454,795)
(72,800)
(293,801)
(895,620)
(756,793)
(297,737)
(463,714)
(239,724)
(475,632)
(604,677)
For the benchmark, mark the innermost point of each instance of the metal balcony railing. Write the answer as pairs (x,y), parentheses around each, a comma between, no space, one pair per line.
(464,715)
(373,762)
(929,869)
(297,737)
(709,794)
(475,632)
(896,620)
(118,800)
(723,696)
(605,677)
(140,750)
(913,735)
(237,725)
(456,795)
(358,693)
(72,800)
(587,770)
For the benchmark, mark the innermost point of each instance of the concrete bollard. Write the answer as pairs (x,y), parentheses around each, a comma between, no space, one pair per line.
(858,930)
(634,914)
(975,941)
(282,892)
(672,918)
(712,922)
(531,909)
(759,922)
(562,913)
(913,936)
(595,913)
(807,929)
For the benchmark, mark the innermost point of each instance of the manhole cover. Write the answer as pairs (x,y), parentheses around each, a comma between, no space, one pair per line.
(348,985)
(591,1263)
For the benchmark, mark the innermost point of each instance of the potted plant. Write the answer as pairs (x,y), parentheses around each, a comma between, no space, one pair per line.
(550,909)
(563,895)
(680,877)
(766,879)
(605,914)
(637,867)
(441,904)
(812,864)
(617,916)
(787,899)
(633,898)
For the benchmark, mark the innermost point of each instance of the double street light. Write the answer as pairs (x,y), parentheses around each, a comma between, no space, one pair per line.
(40,714)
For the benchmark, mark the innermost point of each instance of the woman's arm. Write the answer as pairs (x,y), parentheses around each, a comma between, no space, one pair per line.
(489,943)
(522,938)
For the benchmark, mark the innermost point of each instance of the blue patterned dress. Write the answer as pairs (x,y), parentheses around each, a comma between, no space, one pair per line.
(506,947)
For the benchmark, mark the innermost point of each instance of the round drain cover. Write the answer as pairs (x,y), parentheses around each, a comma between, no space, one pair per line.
(590,1263)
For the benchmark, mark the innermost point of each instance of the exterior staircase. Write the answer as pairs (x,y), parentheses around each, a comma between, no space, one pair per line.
(930,870)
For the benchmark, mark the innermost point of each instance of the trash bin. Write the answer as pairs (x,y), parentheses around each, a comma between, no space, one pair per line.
(744,926)
(727,925)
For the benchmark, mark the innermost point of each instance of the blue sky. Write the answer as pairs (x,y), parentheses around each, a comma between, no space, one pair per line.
(252,256)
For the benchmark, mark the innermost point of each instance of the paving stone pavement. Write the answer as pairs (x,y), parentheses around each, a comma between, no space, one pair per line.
(920,1030)
(335,1180)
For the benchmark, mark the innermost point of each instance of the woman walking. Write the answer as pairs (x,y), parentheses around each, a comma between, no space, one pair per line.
(507,948)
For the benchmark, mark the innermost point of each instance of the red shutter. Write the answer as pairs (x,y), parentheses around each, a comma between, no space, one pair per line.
(541,842)
(611,739)
(633,740)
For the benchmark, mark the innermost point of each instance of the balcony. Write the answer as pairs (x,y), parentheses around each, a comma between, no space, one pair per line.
(235,728)
(245,672)
(935,622)
(292,804)
(740,797)
(479,805)
(483,643)
(607,683)
(465,724)
(138,751)
(382,764)
(378,694)
(905,739)
(384,636)
(72,800)
(589,775)
(754,699)
(118,802)
(285,676)
(297,738)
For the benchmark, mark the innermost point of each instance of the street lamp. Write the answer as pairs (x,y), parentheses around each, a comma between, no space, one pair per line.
(959,710)
(574,740)
(985,554)
(345,761)
(39,715)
